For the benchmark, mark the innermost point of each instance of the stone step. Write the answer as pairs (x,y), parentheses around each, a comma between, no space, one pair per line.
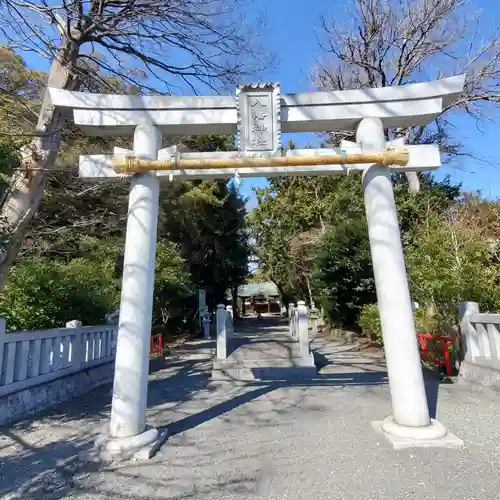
(263,363)
(263,373)
(268,369)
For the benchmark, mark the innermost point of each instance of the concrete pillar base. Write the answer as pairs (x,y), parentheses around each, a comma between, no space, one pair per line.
(140,447)
(434,435)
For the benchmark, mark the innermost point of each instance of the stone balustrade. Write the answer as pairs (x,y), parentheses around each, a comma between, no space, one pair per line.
(480,334)
(42,367)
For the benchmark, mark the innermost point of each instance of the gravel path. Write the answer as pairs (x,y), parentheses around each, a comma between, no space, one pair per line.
(311,440)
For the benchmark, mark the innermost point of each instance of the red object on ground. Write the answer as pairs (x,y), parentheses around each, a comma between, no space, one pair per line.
(445,341)
(156,345)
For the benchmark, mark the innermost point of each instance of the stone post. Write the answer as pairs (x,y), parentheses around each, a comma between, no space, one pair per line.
(3,324)
(201,304)
(291,319)
(221,325)
(74,323)
(314,315)
(112,318)
(206,325)
(409,403)
(130,389)
(77,350)
(230,321)
(469,335)
(302,329)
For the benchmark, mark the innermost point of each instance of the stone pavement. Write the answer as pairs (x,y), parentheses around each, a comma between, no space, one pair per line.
(310,439)
(263,350)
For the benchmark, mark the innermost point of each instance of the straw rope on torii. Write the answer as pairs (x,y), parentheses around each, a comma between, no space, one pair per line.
(131,164)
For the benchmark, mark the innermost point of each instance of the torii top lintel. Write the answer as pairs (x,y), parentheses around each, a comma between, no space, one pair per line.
(400,106)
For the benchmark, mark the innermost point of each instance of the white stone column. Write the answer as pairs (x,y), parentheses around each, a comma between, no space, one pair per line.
(409,403)
(230,321)
(291,319)
(302,329)
(128,410)
(221,326)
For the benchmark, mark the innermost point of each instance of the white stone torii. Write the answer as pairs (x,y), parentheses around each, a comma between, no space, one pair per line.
(258,115)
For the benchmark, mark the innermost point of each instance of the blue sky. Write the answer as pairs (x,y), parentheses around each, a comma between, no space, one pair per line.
(291,33)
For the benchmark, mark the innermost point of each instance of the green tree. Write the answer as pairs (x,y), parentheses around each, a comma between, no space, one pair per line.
(202,241)
(206,221)
(344,275)
(173,289)
(286,227)
(312,231)
(455,259)
(91,41)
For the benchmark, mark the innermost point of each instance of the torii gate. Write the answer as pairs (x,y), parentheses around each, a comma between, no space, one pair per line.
(257,115)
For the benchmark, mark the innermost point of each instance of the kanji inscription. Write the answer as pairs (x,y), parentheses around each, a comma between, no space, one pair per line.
(258,121)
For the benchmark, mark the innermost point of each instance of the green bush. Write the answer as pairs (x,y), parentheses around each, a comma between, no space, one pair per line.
(44,293)
(454,262)
(369,322)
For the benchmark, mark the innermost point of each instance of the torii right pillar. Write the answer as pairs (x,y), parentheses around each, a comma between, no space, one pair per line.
(410,424)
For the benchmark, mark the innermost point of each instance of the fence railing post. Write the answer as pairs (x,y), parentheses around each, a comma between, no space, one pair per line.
(206,324)
(74,323)
(221,324)
(470,337)
(78,349)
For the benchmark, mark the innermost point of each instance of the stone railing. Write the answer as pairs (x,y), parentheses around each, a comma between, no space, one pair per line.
(225,329)
(481,342)
(31,361)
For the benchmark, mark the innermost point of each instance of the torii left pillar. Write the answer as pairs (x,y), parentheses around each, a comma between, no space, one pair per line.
(128,433)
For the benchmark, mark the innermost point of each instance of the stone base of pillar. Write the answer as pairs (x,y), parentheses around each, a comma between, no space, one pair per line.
(434,435)
(140,447)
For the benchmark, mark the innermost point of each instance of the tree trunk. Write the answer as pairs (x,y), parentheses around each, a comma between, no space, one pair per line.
(27,186)
(234,297)
(311,301)
(22,204)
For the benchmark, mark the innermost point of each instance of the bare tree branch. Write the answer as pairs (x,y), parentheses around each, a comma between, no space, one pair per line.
(146,45)
(397,42)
